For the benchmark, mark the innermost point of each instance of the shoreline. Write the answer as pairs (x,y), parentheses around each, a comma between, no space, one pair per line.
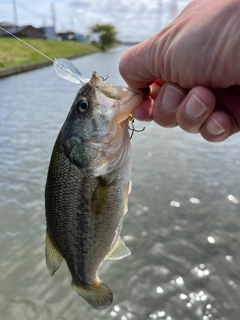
(6,72)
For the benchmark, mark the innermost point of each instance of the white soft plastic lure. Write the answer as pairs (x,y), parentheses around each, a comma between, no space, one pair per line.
(63,67)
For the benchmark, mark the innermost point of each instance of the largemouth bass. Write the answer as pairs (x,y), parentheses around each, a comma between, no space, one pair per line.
(88,185)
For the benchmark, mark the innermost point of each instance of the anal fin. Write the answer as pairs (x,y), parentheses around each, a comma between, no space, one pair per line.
(53,257)
(119,251)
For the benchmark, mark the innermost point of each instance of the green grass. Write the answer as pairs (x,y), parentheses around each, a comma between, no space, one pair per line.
(14,53)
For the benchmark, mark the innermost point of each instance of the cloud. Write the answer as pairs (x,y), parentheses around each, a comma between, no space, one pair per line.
(134,20)
(79,3)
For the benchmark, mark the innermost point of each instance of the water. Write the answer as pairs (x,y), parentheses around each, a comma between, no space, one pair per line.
(183,224)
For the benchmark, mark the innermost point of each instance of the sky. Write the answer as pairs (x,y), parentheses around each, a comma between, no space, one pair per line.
(134,20)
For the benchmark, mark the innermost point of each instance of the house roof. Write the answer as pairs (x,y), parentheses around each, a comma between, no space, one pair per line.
(21,28)
(16,29)
(6,24)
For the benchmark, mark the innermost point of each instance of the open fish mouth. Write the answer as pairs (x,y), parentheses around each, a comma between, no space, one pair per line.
(121,100)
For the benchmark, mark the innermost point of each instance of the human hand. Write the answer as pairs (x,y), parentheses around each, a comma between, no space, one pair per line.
(193,70)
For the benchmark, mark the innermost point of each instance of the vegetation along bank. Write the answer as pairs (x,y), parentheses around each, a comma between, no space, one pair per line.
(15,57)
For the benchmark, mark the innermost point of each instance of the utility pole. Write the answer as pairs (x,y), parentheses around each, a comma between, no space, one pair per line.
(159,10)
(173,10)
(53,10)
(15,15)
(72,23)
(44,21)
(157,21)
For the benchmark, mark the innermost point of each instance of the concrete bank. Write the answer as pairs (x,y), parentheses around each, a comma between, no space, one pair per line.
(5,72)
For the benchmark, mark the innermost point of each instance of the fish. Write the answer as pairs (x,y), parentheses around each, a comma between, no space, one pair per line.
(87,187)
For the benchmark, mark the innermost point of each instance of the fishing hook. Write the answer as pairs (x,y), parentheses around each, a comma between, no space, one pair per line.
(131,119)
(104,78)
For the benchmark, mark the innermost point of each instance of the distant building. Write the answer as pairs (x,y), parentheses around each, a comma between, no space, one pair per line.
(67,35)
(7,26)
(70,35)
(80,37)
(27,31)
(49,33)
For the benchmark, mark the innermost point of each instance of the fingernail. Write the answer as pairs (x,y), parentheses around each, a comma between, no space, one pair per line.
(171,98)
(214,128)
(195,108)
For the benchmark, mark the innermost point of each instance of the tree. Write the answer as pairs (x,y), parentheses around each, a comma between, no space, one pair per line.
(107,34)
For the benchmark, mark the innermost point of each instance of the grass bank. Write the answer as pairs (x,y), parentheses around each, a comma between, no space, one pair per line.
(14,53)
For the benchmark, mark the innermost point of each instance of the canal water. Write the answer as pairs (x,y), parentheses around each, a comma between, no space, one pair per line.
(183,223)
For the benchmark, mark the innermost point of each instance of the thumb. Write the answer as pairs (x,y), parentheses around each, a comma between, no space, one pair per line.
(138,65)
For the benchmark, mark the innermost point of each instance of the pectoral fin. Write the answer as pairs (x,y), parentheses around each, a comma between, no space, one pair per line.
(119,251)
(99,198)
(53,257)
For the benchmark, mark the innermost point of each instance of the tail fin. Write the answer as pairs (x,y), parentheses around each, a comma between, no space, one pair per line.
(99,297)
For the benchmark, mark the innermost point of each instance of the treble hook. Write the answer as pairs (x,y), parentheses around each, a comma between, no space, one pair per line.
(131,119)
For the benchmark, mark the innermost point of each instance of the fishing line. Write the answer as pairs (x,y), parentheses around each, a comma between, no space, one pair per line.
(64,68)
(27,44)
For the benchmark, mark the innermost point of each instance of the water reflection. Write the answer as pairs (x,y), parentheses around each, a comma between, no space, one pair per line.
(232,198)
(201,271)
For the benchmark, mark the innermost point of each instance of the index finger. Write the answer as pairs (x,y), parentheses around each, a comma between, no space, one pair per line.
(136,65)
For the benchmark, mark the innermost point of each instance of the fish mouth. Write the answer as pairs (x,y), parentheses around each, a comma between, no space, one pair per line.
(118,98)
(130,100)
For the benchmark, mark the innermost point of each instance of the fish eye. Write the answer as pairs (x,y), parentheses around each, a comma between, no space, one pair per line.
(82,105)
